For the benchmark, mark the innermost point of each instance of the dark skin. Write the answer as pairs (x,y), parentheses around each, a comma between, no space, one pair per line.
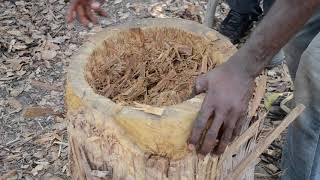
(85,10)
(229,87)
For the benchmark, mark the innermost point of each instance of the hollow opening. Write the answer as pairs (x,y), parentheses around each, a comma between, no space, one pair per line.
(154,66)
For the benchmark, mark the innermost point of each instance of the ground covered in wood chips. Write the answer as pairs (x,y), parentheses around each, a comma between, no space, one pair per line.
(155,66)
(35,44)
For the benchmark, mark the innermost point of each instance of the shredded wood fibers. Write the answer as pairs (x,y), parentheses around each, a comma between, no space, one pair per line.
(154,66)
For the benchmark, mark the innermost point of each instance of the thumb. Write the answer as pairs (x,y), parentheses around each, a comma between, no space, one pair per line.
(201,84)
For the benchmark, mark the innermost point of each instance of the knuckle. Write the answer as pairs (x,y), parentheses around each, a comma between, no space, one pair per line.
(238,110)
(229,126)
(193,140)
(224,112)
(225,140)
(212,135)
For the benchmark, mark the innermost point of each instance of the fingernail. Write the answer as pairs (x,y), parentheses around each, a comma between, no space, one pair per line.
(191,147)
(95,5)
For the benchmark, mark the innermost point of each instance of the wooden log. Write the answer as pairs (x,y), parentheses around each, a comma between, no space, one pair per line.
(111,141)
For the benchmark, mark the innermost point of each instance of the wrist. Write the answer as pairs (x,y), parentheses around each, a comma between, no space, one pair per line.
(251,61)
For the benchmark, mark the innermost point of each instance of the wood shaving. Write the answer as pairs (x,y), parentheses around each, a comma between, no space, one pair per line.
(150,66)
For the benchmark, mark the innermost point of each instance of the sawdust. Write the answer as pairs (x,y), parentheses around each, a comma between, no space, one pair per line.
(150,66)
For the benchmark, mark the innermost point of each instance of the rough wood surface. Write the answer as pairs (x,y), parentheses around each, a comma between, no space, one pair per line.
(112,141)
(264,143)
(154,66)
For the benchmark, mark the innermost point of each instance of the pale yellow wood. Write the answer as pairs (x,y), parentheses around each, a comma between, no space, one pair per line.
(112,141)
(243,138)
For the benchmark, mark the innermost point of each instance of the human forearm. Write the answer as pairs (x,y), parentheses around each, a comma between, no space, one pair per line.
(284,19)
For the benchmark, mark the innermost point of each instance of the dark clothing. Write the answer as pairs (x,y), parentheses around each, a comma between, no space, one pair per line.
(249,6)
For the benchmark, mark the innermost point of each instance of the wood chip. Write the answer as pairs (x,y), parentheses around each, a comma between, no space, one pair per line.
(149,109)
(272,168)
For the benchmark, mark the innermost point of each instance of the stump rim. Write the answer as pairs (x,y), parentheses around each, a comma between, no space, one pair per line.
(78,61)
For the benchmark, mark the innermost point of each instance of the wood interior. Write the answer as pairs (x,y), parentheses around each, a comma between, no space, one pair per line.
(154,66)
(121,139)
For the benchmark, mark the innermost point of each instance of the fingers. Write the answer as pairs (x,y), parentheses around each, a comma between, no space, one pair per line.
(224,141)
(201,121)
(238,126)
(101,12)
(227,130)
(90,15)
(71,13)
(84,11)
(212,134)
(82,16)
(96,6)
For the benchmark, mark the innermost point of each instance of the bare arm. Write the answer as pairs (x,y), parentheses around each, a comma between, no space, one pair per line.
(283,20)
(229,86)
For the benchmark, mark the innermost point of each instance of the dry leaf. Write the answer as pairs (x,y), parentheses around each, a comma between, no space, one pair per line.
(15,104)
(21,72)
(19,46)
(8,175)
(16,92)
(48,54)
(43,163)
(124,15)
(45,86)
(14,32)
(36,170)
(39,154)
(14,157)
(117,2)
(157,10)
(54,178)
(33,112)
(12,42)
(59,126)
(100,174)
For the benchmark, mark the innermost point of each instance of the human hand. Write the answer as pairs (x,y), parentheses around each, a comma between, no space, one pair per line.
(223,110)
(85,10)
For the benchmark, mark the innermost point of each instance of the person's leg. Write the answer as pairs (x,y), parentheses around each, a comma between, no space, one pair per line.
(315,171)
(301,153)
(267,5)
(240,19)
(301,150)
(244,6)
(300,42)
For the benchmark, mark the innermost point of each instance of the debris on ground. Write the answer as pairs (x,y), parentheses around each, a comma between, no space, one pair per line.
(35,44)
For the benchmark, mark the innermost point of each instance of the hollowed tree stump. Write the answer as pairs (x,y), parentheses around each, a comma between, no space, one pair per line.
(109,140)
